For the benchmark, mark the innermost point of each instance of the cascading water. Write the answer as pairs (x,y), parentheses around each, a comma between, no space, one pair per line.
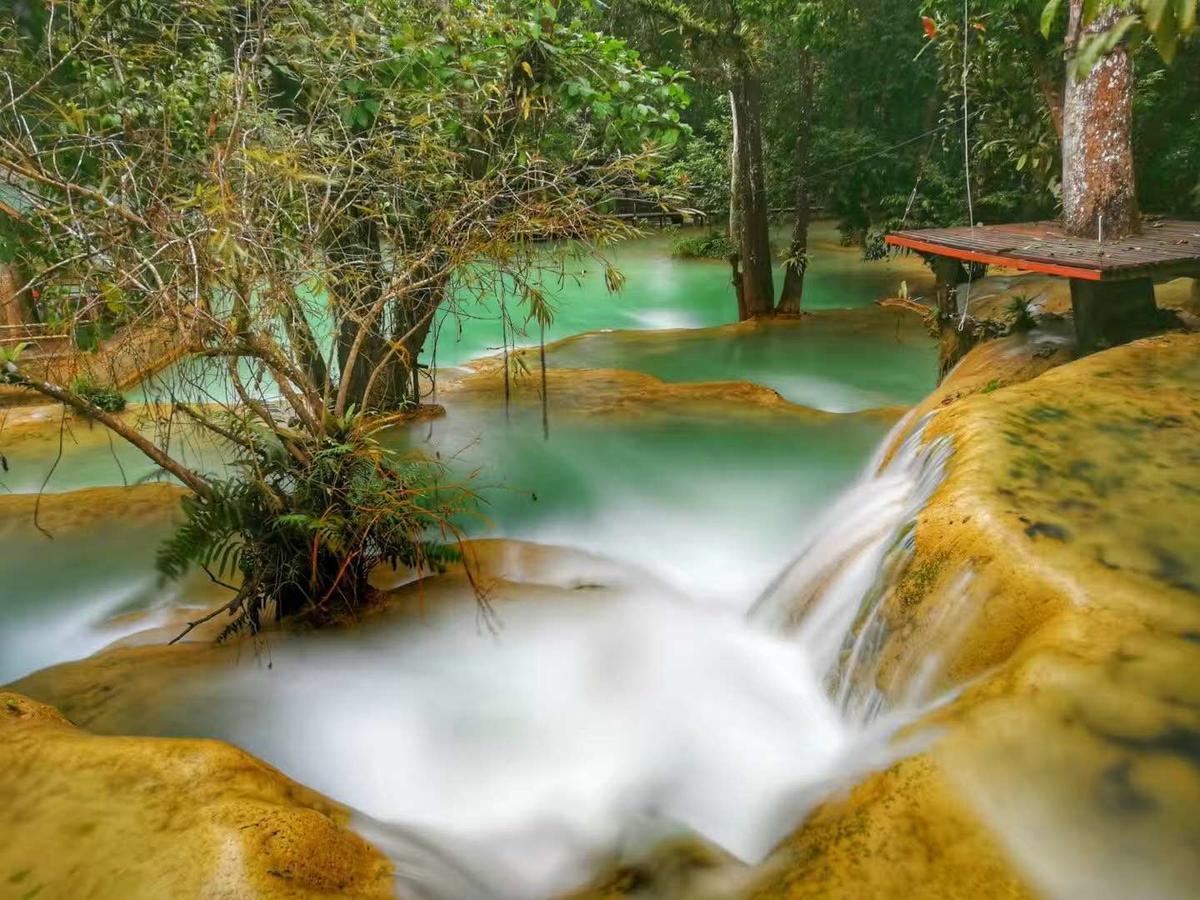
(513,762)
(830,597)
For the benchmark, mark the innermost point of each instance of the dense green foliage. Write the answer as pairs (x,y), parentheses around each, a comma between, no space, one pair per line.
(298,188)
(887,142)
(713,245)
(103,396)
(302,538)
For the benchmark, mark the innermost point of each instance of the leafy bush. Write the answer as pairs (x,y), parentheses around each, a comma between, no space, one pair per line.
(714,245)
(105,396)
(701,172)
(1020,314)
(301,529)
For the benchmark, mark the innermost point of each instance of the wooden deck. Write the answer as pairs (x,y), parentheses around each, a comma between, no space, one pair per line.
(1166,248)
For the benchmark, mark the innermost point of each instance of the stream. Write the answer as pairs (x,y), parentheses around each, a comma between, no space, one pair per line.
(644,678)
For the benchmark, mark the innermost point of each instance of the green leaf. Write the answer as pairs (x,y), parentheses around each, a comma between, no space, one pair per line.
(1048,15)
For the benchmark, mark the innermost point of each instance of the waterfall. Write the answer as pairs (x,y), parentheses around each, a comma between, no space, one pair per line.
(587,725)
(830,597)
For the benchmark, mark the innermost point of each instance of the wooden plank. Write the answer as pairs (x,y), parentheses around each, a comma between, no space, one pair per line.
(993,259)
(1165,247)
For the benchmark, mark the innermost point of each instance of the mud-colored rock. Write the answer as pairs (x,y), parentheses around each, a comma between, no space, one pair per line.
(90,816)
(580,378)
(999,363)
(139,505)
(619,392)
(130,356)
(1056,576)
(903,833)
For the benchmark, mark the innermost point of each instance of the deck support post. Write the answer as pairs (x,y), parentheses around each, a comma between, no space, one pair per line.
(1108,313)
(953,344)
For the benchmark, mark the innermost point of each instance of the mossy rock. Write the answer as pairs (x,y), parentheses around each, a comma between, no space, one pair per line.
(1055,576)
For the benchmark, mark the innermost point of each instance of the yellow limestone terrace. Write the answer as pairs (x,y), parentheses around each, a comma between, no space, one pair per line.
(1063,551)
(101,817)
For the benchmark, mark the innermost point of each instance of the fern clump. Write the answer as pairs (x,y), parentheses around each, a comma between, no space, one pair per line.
(1021,316)
(104,396)
(298,530)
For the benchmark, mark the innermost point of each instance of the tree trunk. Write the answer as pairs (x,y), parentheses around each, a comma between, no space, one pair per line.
(357,284)
(792,294)
(797,261)
(15,308)
(1049,82)
(748,182)
(1099,199)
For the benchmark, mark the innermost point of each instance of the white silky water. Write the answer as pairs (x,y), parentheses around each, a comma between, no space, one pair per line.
(512,756)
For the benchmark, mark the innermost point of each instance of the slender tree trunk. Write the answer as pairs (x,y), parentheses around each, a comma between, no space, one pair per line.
(1098,182)
(1053,95)
(358,283)
(1049,81)
(420,320)
(749,183)
(736,165)
(301,339)
(797,262)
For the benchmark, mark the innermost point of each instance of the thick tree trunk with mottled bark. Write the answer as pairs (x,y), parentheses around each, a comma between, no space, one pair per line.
(1099,199)
(748,183)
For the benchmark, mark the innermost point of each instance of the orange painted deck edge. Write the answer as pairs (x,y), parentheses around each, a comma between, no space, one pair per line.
(994,260)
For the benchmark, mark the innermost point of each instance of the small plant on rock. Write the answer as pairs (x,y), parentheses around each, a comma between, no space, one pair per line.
(102,396)
(299,529)
(1021,317)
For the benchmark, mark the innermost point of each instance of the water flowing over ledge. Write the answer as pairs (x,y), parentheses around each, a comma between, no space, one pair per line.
(829,598)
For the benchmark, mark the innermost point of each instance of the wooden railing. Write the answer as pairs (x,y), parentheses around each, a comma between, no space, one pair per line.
(42,338)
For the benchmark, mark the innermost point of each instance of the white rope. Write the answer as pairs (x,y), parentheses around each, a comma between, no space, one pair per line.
(966,123)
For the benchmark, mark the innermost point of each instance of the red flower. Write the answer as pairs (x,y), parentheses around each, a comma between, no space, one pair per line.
(931,29)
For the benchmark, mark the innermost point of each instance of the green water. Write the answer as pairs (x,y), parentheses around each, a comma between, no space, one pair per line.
(836,362)
(58,459)
(60,593)
(711,504)
(663,292)
(660,292)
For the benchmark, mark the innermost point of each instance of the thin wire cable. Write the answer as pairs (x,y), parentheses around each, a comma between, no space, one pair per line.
(887,150)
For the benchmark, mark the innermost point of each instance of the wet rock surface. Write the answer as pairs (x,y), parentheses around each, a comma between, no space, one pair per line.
(1065,762)
(137,817)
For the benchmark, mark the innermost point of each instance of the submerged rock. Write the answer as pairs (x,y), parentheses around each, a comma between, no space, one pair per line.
(121,817)
(620,392)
